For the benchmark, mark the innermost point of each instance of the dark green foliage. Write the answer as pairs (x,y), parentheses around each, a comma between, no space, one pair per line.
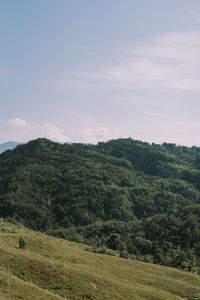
(22,243)
(140,200)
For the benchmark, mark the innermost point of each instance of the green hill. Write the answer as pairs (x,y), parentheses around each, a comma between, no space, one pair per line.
(138,199)
(52,268)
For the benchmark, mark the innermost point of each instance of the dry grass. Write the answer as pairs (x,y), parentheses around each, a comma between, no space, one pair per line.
(53,268)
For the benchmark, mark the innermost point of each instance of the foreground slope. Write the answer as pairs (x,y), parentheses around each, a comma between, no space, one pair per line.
(51,268)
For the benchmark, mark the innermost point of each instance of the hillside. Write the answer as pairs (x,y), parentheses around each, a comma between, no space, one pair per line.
(138,199)
(51,268)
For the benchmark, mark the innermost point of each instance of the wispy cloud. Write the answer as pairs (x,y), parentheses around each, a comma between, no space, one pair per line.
(93,135)
(98,134)
(22,130)
(79,116)
(5,76)
(195,15)
(153,114)
(72,81)
(17,122)
(169,61)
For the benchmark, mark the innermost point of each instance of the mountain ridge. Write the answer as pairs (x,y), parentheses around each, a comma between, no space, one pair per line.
(8,146)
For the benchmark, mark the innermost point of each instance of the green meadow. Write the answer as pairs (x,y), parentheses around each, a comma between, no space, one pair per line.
(52,268)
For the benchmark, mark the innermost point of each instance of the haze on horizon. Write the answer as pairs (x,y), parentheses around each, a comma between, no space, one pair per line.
(89,71)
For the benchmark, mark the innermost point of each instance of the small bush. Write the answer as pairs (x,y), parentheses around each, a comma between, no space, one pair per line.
(123,254)
(110,252)
(22,243)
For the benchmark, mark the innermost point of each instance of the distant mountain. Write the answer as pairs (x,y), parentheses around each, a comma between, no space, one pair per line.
(8,146)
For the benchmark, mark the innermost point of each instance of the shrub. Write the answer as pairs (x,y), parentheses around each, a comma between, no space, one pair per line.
(22,243)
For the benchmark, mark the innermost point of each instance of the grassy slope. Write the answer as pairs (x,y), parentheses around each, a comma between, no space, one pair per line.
(53,268)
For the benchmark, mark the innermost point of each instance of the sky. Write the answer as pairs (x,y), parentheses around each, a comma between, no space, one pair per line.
(89,71)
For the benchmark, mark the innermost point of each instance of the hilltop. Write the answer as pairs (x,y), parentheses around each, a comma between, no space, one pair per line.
(141,200)
(52,268)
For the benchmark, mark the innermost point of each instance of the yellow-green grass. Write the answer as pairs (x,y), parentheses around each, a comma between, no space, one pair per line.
(51,268)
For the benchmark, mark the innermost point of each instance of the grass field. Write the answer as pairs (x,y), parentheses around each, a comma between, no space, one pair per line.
(51,268)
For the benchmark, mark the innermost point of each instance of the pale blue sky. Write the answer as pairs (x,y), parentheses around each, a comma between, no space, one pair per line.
(86,71)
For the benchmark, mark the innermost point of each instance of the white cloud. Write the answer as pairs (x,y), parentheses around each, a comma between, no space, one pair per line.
(54,132)
(98,134)
(21,130)
(93,135)
(17,122)
(170,61)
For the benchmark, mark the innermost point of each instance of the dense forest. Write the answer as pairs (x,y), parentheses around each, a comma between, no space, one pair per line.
(140,200)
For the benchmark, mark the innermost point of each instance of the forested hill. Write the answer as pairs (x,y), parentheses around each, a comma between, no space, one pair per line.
(139,199)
